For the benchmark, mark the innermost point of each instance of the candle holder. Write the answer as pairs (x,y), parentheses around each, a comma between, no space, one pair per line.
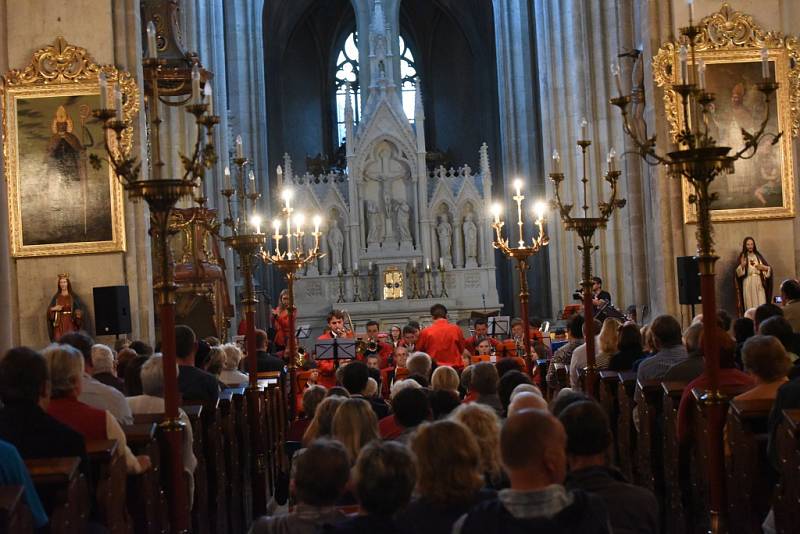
(585,227)
(356,294)
(372,283)
(521,253)
(699,160)
(428,282)
(162,194)
(414,282)
(340,274)
(443,294)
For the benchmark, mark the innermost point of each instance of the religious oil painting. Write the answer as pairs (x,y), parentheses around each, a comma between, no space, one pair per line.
(762,186)
(59,203)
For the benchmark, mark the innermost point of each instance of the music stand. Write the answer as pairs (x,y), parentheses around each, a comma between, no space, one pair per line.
(498,325)
(335,349)
(303,331)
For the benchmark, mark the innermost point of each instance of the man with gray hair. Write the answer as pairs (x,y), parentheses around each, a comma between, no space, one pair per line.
(419,363)
(104,367)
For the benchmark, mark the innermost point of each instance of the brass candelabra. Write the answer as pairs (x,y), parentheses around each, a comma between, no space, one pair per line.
(340,275)
(356,290)
(414,281)
(699,160)
(428,282)
(521,252)
(443,293)
(586,226)
(162,194)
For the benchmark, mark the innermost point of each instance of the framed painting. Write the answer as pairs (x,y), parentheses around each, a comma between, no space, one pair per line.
(58,203)
(731,46)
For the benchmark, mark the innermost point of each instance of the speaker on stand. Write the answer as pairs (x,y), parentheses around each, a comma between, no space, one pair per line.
(112,310)
(688,281)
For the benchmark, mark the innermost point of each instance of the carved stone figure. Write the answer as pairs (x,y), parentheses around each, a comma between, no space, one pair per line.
(336,245)
(470,240)
(374,226)
(444,231)
(403,215)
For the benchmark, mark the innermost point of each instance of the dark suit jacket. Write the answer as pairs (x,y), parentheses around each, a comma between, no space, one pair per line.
(110,380)
(197,385)
(788,397)
(268,362)
(378,406)
(36,434)
(604,295)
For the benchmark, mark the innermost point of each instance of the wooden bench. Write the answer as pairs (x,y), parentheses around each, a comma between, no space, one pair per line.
(15,517)
(200,515)
(109,473)
(233,489)
(626,433)
(787,493)
(243,436)
(746,465)
(147,502)
(215,466)
(63,491)
(649,465)
(609,381)
(671,504)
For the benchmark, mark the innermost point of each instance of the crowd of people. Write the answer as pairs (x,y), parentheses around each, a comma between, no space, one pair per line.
(426,435)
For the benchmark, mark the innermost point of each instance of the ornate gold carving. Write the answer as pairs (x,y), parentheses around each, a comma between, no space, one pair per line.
(393,284)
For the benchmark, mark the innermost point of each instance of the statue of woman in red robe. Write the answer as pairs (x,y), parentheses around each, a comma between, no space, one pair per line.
(65,313)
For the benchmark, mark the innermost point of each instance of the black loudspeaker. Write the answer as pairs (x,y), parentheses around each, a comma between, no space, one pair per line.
(688,280)
(112,310)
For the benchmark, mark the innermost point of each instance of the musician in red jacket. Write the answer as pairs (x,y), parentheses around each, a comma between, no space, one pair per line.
(335,330)
(481,327)
(443,341)
(382,350)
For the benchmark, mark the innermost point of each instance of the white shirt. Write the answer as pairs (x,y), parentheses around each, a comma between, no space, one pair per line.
(114,431)
(578,362)
(233,378)
(105,397)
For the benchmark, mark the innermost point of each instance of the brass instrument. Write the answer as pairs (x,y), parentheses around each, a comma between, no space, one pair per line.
(300,358)
(371,346)
(348,323)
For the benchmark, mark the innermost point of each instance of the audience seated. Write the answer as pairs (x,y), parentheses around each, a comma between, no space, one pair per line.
(631,509)
(629,348)
(564,354)
(355,376)
(536,500)
(354,425)
(14,473)
(384,478)
(443,402)
(690,368)
(764,312)
(312,396)
(411,408)
(320,425)
(419,363)
(319,475)
(193,383)
(780,328)
(133,381)
(508,382)
(532,388)
(93,392)
(743,329)
(506,365)
(215,362)
(666,332)
(419,379)
(337,390)
(445,378)
(104,367)
(388,426)
(484,424)
(526,400)
(790,293)
(141,348)
(25,391)
(264,360)
(766,361)
(566,397)
(65,365)
(449,479)
(484,384)
(579,360)
(152,402)
(124,357)
(230,375)
(466,384)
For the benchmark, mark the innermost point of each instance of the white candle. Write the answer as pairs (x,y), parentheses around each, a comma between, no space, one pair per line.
(617,77)
(441,262)
(539,210)
(556,162)
(208,94)
(255,220)
(414,264)
(701,74)
(427,266)
(496,212)
(518,186)
(584,129)
(276,225)
(683,56)
(239,149)
(227,174)
(355,267)
(118,101)
(612,160)
(317,222)
(691,11)
(152,49)
(339,268)
(370,267)
(195,84)
(765,63)
(252,177)
(101,79)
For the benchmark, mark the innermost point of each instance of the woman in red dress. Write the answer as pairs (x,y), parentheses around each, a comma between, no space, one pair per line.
(65,313)
(280,321)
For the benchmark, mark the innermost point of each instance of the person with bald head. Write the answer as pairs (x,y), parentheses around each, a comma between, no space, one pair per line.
(537,501)
(526,400)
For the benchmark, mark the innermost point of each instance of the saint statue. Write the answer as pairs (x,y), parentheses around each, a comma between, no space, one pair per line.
(403,214)
(445,234)
(65,313)
(753,277)
(470,239)
(335,244)
(374,226)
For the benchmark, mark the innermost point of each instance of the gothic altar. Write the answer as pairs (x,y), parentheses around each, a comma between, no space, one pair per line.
(388,217)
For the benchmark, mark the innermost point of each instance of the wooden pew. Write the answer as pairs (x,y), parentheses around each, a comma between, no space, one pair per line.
(15,517)
(242,422)
(233,489)
(609,381)
(147,502)
(649,465)
(277,424)
(109,473)
(562,379)
(215,467)
(671,504)
(746,465)
(787,493)
(626,436)
(200,516)
(63,491)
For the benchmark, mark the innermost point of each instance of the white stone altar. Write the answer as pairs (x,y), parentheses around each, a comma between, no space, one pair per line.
(388,211)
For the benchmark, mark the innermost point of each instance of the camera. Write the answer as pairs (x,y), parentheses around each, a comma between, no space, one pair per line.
(778,300)
(578,294)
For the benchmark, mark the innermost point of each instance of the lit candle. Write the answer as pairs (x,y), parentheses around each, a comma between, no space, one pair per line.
(441,262)
(539,210)
(299,222)
(556,162)
(584,129)
(152,49)
(195,84)
(683,56)
(276,225)
(765,63)
(691,11)
(252,177)
(101,79)
(369,270)
(355,267)
(339,267)
(701,74)
(615,70)
(118,101)
(227,174)
(239,149)
(427,264)
(414,264)
(496,212)
(255,220)
(317,222)
(612,160)
(279,172)
(209,97)
(518,186)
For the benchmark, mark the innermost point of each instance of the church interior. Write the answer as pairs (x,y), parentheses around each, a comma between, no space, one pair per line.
(399,266)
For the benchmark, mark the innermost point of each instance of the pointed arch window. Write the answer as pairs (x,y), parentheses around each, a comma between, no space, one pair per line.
(347,70)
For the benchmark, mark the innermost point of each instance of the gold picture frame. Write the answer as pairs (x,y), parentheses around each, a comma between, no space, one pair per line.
(730,44)
(58,203)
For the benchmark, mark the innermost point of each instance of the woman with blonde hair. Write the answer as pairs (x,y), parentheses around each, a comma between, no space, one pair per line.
(320,426)
(230,375)
(449,479)
(608,340)
(445,377)
(484,424)
(354,425)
